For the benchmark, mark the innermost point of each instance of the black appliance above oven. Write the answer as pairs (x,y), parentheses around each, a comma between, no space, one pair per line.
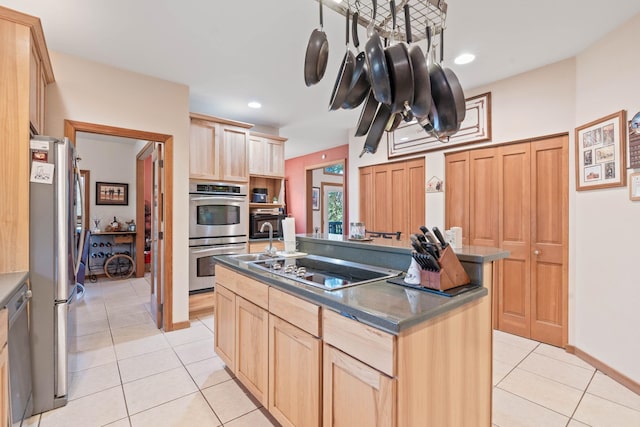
(257,219)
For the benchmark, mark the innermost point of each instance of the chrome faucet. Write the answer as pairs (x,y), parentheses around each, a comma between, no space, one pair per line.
(271,251)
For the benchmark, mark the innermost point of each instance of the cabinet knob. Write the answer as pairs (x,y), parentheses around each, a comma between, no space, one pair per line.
(536,252)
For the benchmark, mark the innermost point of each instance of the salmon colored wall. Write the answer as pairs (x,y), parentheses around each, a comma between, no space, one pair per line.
(295,170)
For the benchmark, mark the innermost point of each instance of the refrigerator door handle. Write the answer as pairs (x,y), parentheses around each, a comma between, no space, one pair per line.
(80,246)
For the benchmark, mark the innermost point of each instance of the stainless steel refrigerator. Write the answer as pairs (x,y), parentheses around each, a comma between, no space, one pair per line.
(55,244)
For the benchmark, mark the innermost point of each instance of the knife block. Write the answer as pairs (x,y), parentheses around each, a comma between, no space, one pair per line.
(451,274)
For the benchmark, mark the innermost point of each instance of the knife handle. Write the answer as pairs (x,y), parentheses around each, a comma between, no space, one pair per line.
(428,234)
(440,237)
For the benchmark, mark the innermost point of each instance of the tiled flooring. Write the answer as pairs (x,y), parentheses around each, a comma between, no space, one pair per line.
(125,372)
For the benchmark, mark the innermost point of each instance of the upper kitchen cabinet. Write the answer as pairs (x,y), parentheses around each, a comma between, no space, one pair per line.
(266,155)
(25,70)
(218,149)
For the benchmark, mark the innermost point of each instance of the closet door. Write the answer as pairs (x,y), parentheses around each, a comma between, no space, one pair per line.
(457,193)
(515,236)
(366,195)
(549,235)
(484,194)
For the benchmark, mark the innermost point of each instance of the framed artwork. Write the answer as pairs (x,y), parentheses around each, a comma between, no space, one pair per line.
(600,153)
(111,193)
(315,198)
(411,138)
(633,149)
(634,186)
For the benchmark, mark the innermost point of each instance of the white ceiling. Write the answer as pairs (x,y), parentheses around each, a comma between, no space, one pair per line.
(231,52)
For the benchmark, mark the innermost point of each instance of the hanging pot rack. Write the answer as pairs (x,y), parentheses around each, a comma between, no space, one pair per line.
(433,12)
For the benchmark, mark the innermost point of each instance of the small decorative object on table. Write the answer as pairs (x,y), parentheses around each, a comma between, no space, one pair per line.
(96,225)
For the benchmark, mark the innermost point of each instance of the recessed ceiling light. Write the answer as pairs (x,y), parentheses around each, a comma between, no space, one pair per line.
(464,58)
(404,138)
(254,104)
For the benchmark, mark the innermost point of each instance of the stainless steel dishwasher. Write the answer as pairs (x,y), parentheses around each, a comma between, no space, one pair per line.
(20,385)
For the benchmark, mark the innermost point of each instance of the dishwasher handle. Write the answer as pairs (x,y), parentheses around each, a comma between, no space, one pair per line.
(18,303)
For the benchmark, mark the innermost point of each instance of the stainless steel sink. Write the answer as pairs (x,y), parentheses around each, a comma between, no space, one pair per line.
(322,272)
(253,257)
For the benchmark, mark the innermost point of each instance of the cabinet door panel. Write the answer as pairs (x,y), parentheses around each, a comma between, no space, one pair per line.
(225,325)
(275,158)
(257,155)
(415,196)
(234,149)
(204,150)
(354,394)
(252,348)
(366,195)
(294,374)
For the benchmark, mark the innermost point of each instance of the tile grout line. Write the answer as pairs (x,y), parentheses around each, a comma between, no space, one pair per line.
(582,396)
(534,403)
(516,365)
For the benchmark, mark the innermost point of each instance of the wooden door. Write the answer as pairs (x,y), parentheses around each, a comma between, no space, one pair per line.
(204,150)
(294,374)
(225,325)
(513,290)
(549,240)
(457,193)
(366,195)
(234,154)
(157,235)
(252,348)
(355,394)
(483,201)
(414,196)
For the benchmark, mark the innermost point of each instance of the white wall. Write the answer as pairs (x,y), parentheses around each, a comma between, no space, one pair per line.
(109,161)
(95,93)
(607,292)
(604,294)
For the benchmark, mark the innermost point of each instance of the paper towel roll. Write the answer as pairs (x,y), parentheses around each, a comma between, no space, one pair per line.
(289,234)
(456,237)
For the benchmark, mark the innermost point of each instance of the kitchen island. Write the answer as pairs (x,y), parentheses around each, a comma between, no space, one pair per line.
(372,354)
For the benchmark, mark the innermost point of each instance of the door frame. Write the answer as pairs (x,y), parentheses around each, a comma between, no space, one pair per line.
(308,180)
(71,127)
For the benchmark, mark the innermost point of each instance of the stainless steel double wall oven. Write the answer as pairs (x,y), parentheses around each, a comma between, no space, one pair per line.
(218,225)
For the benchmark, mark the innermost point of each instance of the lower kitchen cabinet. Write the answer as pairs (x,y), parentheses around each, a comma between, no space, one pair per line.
(252,348)
(225,325)
(355,393)
(294,374)
(4,366)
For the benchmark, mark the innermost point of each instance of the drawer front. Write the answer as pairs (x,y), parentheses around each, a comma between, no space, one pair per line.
(249,289)
(366,343)
(296,311)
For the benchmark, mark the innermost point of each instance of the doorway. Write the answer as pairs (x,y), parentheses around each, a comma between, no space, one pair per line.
(326,197)
(165,287)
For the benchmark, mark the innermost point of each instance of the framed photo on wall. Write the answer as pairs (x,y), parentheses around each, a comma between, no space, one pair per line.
(111,193)
(315,198)
(600,153)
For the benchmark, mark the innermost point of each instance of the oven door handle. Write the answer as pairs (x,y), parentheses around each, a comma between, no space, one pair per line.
(215,198)
(225,250)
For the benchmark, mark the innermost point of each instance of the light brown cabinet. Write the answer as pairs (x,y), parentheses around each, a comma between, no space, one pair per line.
(25,69)
(225,325)
(266,155)
(392,196)
(218,149)
(515,197)
(262,245)
(354,393)
(252,348)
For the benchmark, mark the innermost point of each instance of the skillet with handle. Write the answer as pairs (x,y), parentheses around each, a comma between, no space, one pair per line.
(360,86)
(315,59)
(377,63)
(345,74)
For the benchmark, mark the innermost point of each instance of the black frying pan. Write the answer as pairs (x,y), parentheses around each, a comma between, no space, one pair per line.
(456,88)
(400,70)
(367,114)
(377,63)
(315,60)
(446,119)
(421,83)
(360,86)
(345,74)
(377,129)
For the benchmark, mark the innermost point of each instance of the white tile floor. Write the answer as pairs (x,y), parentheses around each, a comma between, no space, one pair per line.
(125,372)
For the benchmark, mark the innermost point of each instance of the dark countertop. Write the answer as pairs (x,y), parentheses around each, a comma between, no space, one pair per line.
(9,282)
(476,254)
(391,308)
